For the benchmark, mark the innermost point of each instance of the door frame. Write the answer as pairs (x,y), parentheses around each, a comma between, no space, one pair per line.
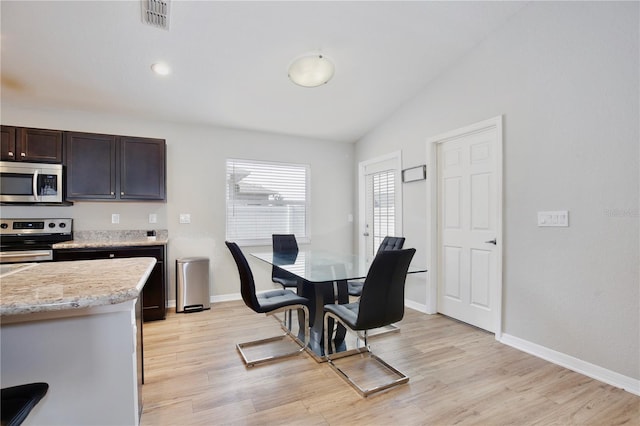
(433,236)
(396,156)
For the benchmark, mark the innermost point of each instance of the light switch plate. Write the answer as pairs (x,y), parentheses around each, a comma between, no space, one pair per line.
(153,218)
(185,218)
(115,218)
(554,218)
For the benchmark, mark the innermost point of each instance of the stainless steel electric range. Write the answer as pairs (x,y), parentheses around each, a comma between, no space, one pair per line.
(32,240)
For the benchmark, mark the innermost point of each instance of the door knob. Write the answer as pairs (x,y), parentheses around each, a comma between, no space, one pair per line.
(494,242)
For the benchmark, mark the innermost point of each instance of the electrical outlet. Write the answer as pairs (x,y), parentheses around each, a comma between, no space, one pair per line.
(115,218)
(185,218)
(153,218)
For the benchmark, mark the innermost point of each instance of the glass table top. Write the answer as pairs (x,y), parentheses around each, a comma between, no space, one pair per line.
(320,265)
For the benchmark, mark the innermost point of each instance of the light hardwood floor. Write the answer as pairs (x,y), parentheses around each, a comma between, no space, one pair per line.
(459,375)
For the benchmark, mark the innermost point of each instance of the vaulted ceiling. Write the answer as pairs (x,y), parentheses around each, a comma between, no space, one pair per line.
(229,60)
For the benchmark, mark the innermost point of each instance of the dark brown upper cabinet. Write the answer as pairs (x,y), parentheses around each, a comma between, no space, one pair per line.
(91,166)
(8,147)
(142,168)
(119,168)
(35,145)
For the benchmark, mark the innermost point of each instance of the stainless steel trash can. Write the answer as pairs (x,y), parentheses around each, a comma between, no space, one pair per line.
(192,284)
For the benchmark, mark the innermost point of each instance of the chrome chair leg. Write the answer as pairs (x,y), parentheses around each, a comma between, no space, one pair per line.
(401,378)
(287,334)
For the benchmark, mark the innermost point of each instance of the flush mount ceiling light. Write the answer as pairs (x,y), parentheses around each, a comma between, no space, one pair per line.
(161,68)
(311,70)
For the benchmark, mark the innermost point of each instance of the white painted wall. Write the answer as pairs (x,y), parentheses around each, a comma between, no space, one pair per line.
(565,76)
(196,184)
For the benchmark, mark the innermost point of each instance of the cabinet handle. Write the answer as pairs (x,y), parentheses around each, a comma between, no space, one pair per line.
(122,193)
(22,154)
(10,153)
(112,192)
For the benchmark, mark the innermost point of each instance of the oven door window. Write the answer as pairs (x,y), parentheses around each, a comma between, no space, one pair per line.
(17,184)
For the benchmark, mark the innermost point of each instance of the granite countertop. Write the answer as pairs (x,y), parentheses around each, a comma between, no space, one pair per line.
(101,239)
(56,286)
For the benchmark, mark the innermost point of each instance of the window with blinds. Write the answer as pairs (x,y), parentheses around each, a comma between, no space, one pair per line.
(384,213)
(266,198)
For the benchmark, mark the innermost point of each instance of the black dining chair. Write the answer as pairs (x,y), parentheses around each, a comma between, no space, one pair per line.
(381,304)
(16,402)
(269,303)
(388,243)
(284,244)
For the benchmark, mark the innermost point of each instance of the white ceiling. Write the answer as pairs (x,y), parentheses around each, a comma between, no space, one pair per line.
(230,59)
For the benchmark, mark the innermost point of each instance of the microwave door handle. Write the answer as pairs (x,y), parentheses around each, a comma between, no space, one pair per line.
(35,185)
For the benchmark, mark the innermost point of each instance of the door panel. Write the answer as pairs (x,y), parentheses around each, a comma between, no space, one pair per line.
(480,187)
(452,203)
(480,278)
(452,272)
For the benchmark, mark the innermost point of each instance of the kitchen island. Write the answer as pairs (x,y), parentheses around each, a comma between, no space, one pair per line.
(74,326)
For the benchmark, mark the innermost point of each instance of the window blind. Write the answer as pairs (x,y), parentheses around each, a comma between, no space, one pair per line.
(265,198)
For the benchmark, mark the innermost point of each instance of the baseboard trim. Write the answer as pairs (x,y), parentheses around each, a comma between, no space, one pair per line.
(612,378)
(212,299)
(415,306)
(226,298)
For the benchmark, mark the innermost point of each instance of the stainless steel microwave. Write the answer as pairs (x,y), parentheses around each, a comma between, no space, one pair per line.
(30,182)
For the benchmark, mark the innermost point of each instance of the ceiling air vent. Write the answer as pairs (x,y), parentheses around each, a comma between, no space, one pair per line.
(156,13)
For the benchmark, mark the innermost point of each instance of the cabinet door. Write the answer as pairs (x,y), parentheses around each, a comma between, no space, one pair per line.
(38,145)
(8,149)
(154,299)
(142,168)
(154,294)
(91,166)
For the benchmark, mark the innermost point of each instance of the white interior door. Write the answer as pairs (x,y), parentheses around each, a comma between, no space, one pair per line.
(380,202)
(468,227)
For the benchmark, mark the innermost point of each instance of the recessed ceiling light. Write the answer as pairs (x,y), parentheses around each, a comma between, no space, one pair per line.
(161,68)
(311,70)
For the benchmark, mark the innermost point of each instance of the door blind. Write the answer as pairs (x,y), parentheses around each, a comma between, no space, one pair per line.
(383,190)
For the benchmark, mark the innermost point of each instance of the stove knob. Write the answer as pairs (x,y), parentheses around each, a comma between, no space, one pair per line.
(63,225)
(4,226)
(52,225)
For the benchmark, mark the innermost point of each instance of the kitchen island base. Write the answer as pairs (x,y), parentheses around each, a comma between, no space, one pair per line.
(87,356)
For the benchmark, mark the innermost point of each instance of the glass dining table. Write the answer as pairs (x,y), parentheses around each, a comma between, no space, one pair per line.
(323,277)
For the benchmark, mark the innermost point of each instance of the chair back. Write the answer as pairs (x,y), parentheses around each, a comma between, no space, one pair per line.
(247,284)
(391,243)
(382,300)
(284,243)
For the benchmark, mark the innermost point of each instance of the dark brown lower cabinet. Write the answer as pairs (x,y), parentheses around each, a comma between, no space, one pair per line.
(154,293)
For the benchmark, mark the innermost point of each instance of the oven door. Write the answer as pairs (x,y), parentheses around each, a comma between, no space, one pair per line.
(30,183)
